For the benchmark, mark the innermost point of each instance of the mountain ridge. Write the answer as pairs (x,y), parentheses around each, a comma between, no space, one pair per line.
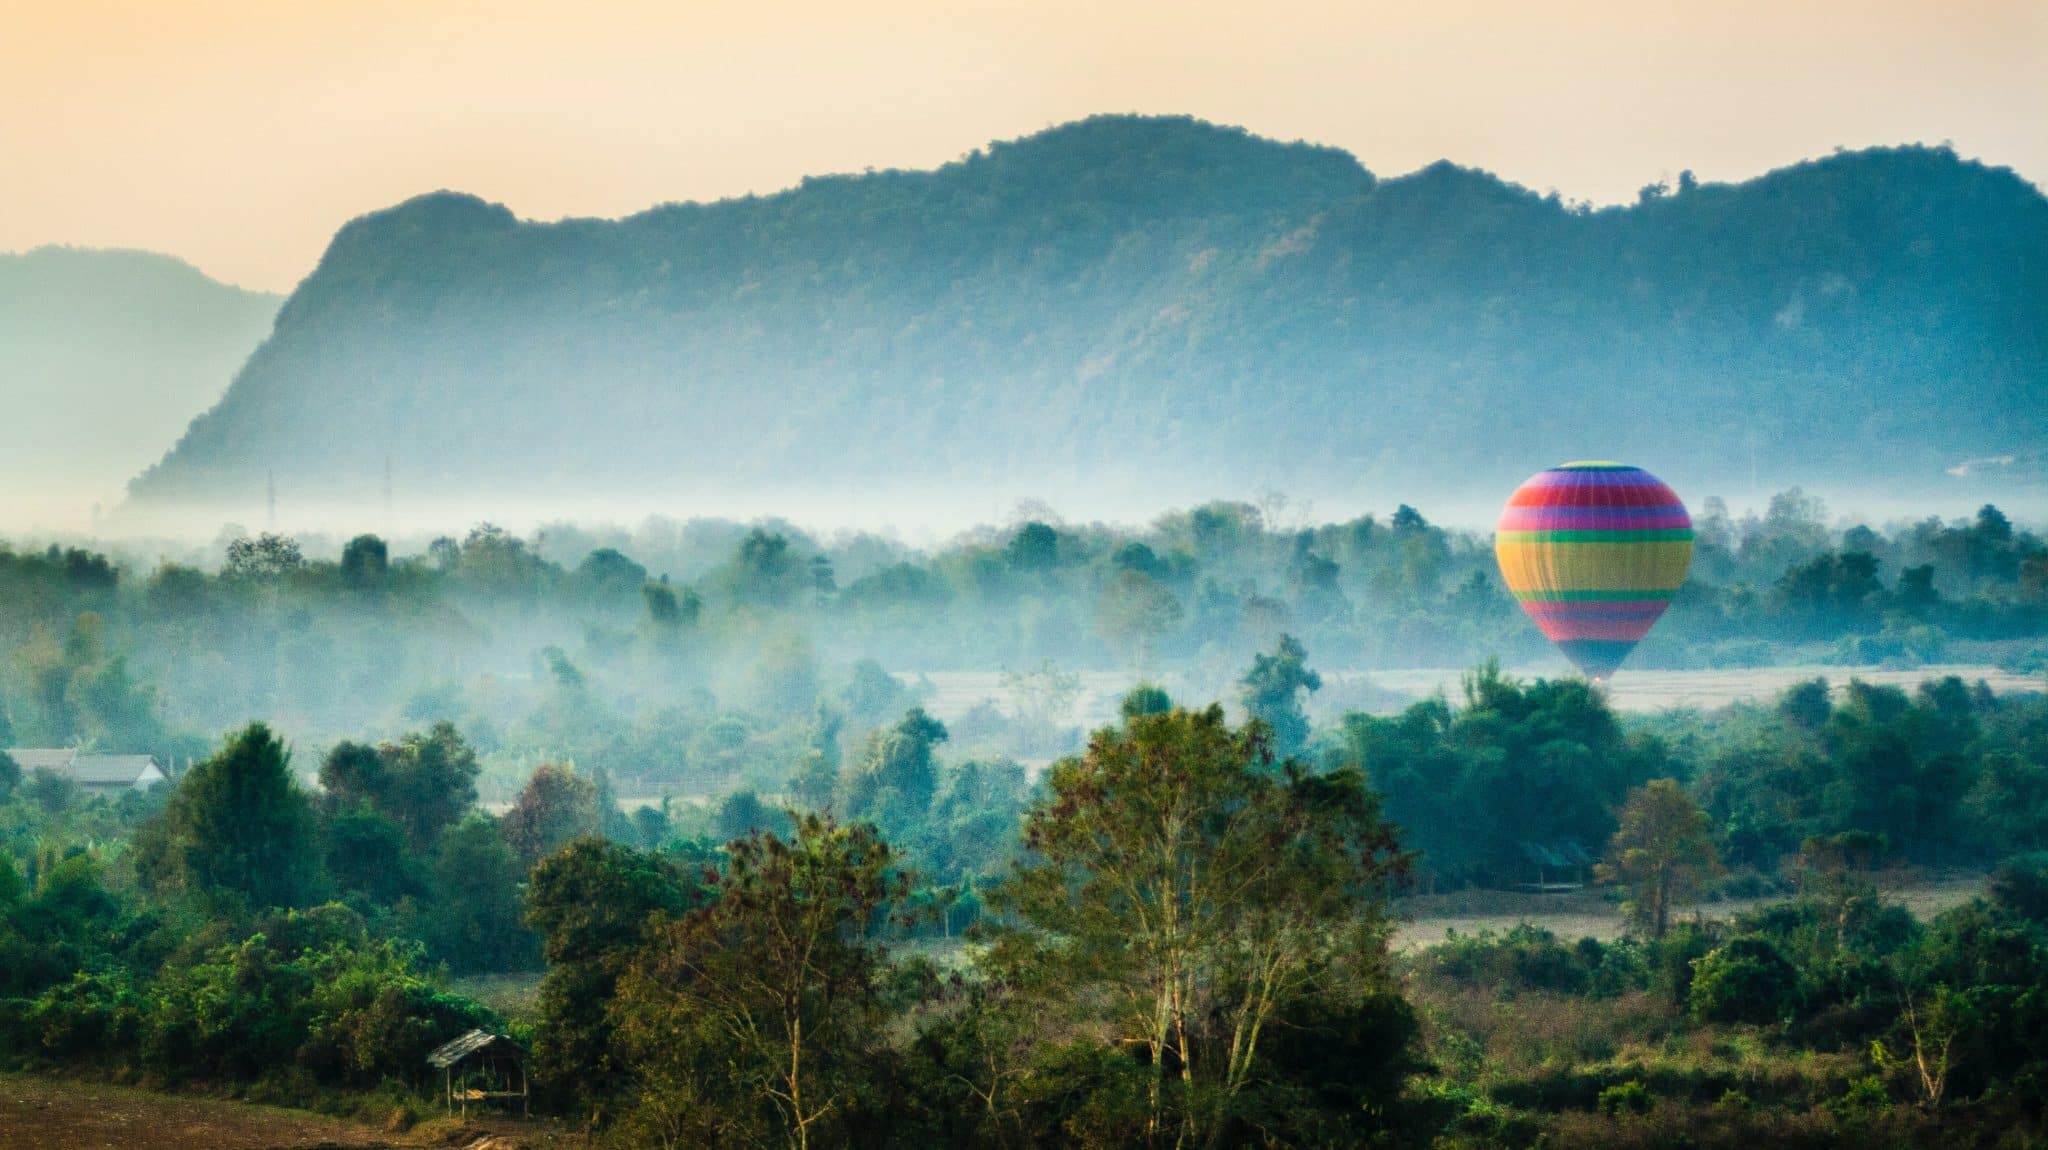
(104,355)
(1160,305)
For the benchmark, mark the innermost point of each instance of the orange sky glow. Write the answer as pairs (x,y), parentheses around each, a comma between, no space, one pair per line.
(241,135)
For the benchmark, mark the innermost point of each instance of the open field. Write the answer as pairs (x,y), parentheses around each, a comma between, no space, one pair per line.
(1704,690)
(1589,914)
(953,693)
(38,1113)
(58,1114)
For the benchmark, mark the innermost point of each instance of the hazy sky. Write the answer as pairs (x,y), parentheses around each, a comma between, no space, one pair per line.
(241,135)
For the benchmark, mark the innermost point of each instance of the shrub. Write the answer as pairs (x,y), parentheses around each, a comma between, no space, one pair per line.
(1625,1098)
(1745,980)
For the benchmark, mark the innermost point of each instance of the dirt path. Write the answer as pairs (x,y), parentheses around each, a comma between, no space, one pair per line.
(1588,915)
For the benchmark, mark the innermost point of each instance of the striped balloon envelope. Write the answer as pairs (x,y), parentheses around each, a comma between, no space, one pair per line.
(1594,552)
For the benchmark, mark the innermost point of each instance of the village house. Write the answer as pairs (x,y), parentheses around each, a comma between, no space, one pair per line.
(108,775)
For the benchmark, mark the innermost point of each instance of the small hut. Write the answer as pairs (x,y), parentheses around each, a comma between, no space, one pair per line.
(481,1067)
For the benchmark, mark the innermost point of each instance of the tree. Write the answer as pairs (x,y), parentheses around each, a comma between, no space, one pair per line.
(652,825)
(873,694)
(607,577)
(477,924)
(239,829)
(366,854)
(51,791)
(817,777)
(758,1016)
(423,783)
(1144,699)
(897,775)
(10,776)
(1663,852)
(365,561)
(1192,892)
(743,813)
(1035,547)
(1273,691)
(556,806)
(1136,609)
(1805,704)
(669,613)
(265,559)
(594,904)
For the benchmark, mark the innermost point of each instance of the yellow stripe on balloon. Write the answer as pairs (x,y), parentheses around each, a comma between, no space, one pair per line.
(1594,566)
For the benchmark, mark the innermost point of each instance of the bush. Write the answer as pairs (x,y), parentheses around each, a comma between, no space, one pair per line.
(2020,885)
(1625,1098)
(1745,980)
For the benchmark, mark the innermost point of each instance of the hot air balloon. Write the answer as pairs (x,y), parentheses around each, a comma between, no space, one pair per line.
(1594,552)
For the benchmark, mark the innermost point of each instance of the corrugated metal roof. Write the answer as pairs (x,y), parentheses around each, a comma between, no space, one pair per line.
(450,1053)
(43,759)
(115,770)
(91,770)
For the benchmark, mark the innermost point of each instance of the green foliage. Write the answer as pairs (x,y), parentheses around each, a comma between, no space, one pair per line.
(422,784)
(757,1018)
(594,904)
(1545,763)
(476,925)
(557,806)
(1144,699)
(1625,1098)
(897,776)
(1273,691)
(1174,857)
(1663,851)
(1743,980)
(239,829)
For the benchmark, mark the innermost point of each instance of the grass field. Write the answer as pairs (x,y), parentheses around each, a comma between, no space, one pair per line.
(955,692)
(1589,914)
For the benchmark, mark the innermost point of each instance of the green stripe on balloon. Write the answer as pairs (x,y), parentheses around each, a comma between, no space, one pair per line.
(1589,596)
(1655,535)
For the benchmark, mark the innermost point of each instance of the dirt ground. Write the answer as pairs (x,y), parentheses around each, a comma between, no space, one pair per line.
(1589,914)
(55,1114)
(59,1114)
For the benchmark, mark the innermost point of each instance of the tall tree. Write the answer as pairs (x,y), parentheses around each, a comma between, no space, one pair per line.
(1273,692)
(898,775)
(239,828)
(1663,851)
(556,806)
(756,1018)
(477,924)
(594,905)
(1195,894)
(1134,611)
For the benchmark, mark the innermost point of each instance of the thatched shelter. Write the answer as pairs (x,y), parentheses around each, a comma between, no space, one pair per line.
(481,1067)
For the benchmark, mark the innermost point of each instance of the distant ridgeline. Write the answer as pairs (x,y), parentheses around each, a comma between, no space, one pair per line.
(1165,305)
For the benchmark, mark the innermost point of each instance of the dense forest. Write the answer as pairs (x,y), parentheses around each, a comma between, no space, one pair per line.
(1152,311)
(1176,936)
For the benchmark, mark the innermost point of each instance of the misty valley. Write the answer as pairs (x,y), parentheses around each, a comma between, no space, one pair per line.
(1140,634)
(1052,834)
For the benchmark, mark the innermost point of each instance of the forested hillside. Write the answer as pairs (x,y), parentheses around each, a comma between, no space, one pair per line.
(1157,311)
(104,357)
